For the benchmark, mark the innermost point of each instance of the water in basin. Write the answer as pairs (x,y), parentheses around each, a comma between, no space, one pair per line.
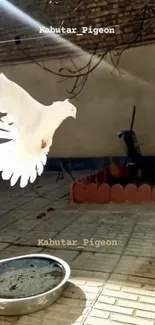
(27,277)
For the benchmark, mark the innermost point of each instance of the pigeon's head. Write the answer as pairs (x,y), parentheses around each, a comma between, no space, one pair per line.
(64,109)
(59,111)
(67,109)
(70,108)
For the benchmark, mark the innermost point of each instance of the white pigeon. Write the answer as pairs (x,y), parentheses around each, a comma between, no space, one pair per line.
(30,127)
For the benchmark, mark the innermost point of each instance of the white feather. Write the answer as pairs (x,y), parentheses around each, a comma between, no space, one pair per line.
(27,123)
(5,126)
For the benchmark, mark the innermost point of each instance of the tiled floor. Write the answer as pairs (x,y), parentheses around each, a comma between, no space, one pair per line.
(112,260)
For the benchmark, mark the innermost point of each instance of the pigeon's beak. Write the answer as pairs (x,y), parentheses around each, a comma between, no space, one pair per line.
(75,113)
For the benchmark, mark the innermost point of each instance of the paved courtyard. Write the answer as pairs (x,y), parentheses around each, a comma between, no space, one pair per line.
(111,251)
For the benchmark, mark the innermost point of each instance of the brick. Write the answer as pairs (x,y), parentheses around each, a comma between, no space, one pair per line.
(78,310)
(4,322)
(150,287)
(107,300)
(56,315)
(131,320)
(112,286)
(139,291)
(28,320)
(113,308)
(50,15)
(9,319)
(59,315)
(125,280)
(3,245)
(54,308)
(78,295)
(145,314)
(95,283)
(99,313)
(74,302)
(127,283)
(78,281)
(95,262)
(95,321)
(91,289)
(135,305)
(142,281)
(149,300)
(119,294)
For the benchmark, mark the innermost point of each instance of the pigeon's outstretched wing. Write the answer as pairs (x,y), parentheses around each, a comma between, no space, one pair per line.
(21,156)
(18,104)
(29,126)
(18,158)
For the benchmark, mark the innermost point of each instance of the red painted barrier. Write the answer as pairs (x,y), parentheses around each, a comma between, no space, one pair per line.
(117,194)
(130,194)
(94,189)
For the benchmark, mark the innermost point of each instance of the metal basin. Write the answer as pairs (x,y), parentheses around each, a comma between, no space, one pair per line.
(31,282)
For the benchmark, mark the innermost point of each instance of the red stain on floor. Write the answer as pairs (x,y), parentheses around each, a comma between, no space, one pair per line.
(41,215)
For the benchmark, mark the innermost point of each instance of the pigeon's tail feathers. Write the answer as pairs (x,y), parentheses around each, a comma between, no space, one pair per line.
(5,126)
(8,119)
(17,163)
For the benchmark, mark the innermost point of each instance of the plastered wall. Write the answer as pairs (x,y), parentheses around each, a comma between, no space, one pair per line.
(104,106)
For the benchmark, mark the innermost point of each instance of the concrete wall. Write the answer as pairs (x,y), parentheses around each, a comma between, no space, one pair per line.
(104,106)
